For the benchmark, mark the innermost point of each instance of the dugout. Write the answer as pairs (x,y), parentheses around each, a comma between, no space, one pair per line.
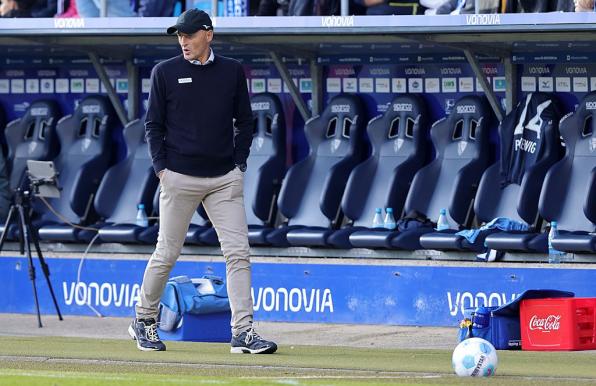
(306,61)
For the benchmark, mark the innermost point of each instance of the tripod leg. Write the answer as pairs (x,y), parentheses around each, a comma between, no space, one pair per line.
(44,266)
(11,213)
(25,242)
(21,237)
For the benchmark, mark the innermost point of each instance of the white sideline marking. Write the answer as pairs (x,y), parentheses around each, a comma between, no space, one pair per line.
(103,376)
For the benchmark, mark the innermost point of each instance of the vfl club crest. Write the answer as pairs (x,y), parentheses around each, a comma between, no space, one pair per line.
(461,147)
(85,144)
(397,144)
(335,145)
(32,146)
(259,143)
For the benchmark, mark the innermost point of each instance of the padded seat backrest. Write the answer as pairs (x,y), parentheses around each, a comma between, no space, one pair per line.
(462,150)
(32,137)
(5,188)
(267,160)
(85,151)
(570,185)
(530,145)
(3,125)
(399,141)
(134,178)
(312,190)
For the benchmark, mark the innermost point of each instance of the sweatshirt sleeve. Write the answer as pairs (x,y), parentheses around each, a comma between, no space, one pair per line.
(155,130)
(243,117)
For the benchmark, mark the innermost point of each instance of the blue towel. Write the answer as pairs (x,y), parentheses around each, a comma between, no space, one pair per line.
(502,223)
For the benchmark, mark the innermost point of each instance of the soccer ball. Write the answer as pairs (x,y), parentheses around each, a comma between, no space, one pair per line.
(474,357)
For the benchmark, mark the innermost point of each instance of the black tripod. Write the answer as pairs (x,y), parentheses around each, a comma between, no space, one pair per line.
(21,208)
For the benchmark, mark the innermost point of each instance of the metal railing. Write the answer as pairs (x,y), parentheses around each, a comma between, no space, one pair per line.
(103,9)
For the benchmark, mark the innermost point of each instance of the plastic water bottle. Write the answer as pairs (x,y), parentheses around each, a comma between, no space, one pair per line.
(389,222)
(142,219)
(378,219)
(442,222)
(554,256)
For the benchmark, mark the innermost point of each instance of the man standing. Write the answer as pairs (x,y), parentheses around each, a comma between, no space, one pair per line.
(198,157)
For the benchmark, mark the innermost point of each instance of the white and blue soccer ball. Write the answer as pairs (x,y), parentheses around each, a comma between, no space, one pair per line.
(475,357)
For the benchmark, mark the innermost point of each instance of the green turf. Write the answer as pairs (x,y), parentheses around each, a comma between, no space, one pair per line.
(78,361)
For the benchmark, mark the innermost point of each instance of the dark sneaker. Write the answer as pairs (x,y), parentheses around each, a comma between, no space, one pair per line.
(144,331)
(249,342)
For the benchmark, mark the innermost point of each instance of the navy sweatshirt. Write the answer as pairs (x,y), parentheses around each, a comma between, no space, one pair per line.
(189,124)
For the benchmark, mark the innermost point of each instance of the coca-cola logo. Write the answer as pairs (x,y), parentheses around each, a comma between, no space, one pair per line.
(548,323)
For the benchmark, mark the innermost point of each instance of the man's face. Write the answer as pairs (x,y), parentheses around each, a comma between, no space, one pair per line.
(195,45)
(6,6)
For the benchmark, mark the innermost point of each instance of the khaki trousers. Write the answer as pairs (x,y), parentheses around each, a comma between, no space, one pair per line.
(223,200)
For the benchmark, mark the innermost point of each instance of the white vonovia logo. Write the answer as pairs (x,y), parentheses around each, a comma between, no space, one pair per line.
(466,109)
(402,107)
(69,23)
(483,19)
(311,300)
(458,302)
(340,108)
(593,145)
(397,144)
(39,111)
(549,323)
(260,106)
(101,294)
(337,21)
(590,105)
(91,109)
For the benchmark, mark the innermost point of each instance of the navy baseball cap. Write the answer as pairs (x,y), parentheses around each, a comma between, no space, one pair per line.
(191,21)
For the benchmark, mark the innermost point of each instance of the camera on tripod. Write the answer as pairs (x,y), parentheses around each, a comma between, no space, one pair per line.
(43,178)
(43,182)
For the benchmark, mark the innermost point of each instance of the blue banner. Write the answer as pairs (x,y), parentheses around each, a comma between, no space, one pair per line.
(323,293)
(384,23)
(66,80)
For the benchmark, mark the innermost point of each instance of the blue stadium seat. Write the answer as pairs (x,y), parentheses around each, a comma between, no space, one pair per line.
(569,190)
(32,137)
(136,182)
(510,188)
(266,166)
(576,212)
(461,144)
(86,144)
(311,193)
(3,125)
(5,191)
(400,146)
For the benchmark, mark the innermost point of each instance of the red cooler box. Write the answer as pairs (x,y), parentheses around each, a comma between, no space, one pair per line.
(558,324)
